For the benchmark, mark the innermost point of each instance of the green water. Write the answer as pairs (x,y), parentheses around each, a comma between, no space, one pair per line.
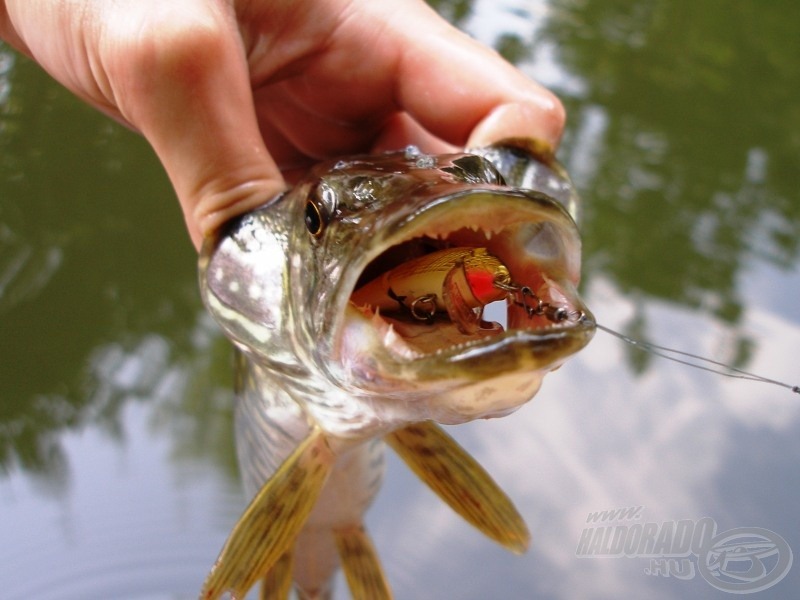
(117,476)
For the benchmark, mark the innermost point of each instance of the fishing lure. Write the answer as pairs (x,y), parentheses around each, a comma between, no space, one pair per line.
(456,281)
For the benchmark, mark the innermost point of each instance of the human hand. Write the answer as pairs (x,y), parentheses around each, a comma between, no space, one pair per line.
(235,97)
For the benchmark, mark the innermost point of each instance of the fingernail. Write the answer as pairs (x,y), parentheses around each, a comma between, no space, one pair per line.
(541,121)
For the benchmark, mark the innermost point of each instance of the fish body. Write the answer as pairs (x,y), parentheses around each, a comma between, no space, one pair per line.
(312,288)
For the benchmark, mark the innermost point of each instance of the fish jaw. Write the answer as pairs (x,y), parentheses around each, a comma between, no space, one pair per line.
(433,370)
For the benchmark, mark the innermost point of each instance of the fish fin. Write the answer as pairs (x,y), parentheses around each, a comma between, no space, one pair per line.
(361,565)
(270,524)
(459,480)
(277,583)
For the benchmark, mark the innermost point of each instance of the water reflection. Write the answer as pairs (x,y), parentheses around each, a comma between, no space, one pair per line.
(693,131)
(683,140)
(79,246)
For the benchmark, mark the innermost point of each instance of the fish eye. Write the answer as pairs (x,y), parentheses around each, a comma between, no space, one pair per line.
(313,218)
(320,208)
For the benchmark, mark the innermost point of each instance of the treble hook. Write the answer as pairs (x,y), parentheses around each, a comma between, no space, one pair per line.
(424,308)
(525,297)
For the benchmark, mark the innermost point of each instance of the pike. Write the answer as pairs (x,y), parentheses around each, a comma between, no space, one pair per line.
(356,302)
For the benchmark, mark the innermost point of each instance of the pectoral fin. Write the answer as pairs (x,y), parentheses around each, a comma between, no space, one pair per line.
(270,524)
(459,480)
(361,565)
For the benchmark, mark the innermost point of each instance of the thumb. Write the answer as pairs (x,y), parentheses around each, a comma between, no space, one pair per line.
(187,89)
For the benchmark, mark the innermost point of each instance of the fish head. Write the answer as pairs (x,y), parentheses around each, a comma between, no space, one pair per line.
(282,280)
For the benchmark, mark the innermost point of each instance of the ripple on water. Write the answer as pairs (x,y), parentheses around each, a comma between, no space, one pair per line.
(124,527)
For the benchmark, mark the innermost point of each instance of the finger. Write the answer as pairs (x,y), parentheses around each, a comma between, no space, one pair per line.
(186,88)
(466,93)
(401,131)
(295,131)
(10,35)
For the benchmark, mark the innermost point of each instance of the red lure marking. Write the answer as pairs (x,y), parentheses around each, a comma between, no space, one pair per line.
(483,288)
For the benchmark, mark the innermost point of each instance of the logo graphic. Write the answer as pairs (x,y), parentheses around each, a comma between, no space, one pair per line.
(745,560)
(739,561)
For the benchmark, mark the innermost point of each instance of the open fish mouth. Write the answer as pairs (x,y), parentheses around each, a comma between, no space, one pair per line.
(425,289)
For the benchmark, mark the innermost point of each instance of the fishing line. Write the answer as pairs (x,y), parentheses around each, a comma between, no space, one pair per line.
(671,353)
(524,297)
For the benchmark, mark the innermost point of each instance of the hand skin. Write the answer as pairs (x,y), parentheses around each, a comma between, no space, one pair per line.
(237,96)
